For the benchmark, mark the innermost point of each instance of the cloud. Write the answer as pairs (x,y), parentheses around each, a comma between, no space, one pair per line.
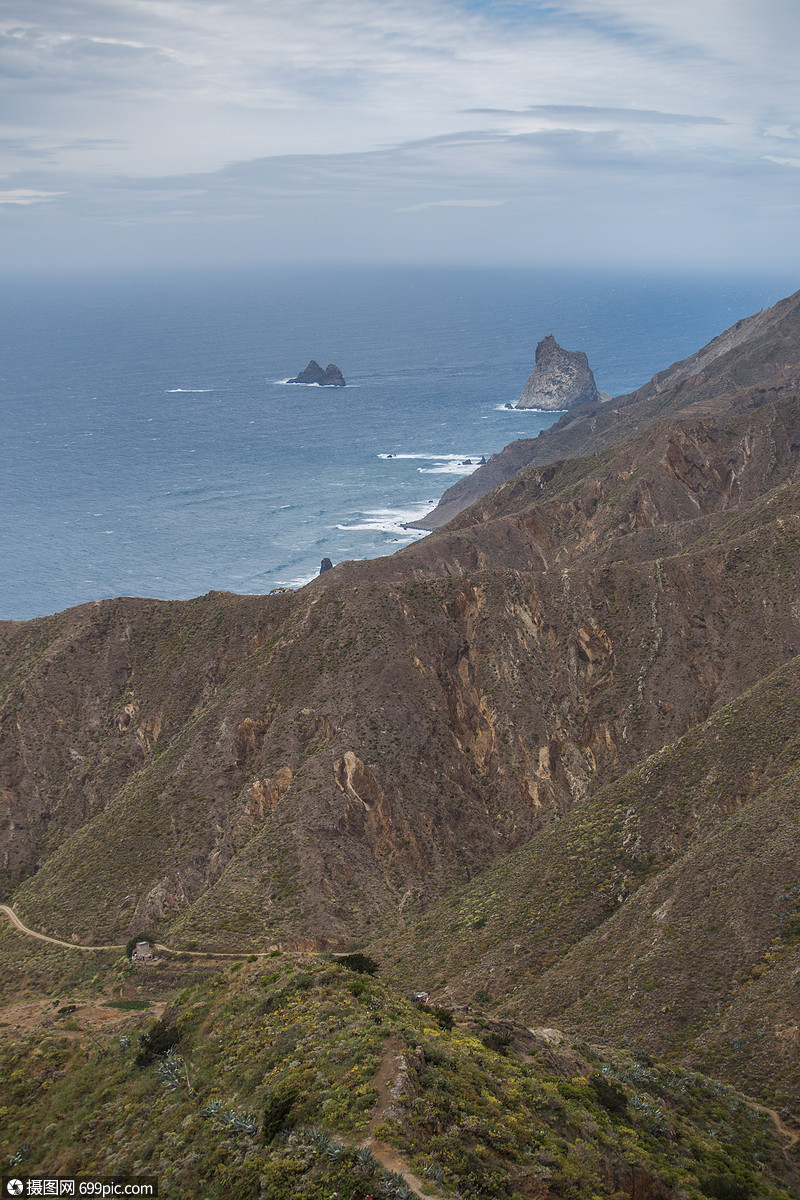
(188,85)
(25,196)
(451,204)
(595,114)
(341,113)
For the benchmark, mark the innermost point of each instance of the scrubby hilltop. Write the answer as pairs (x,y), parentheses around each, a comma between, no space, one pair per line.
(544,761)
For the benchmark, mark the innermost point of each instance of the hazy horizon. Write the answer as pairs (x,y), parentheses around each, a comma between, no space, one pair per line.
(599,133)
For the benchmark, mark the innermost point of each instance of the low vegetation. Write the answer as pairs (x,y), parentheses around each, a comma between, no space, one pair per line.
(283,1078)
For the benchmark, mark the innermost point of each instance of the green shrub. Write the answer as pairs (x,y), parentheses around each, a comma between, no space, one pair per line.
(359,962)
(725,1187)
(442,1016)
(609,1094)
(500,1043)
(157,1040)
(791,929)
(277,1113)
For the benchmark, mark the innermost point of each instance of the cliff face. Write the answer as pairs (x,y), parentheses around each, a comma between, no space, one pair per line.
(329,764)
(560,380)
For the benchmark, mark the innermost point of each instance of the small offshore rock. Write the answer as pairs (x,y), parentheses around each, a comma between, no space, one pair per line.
(561,379)
(330,377)
(325,565)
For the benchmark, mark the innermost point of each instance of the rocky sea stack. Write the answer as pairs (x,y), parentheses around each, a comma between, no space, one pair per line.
(561,379)
(330,377)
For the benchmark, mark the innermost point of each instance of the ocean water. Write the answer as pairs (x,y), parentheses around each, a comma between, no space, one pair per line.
(150,445)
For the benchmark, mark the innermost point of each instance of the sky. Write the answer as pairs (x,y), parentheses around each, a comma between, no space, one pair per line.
(629,133)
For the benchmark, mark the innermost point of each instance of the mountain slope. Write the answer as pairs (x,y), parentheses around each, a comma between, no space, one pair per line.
(295,1079)
(402,722)
(664,909)
(308,770)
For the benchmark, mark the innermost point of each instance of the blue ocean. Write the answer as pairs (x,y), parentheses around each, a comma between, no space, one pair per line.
(151,446)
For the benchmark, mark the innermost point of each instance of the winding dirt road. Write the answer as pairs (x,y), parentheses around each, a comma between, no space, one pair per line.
(15,921)
(792,1135)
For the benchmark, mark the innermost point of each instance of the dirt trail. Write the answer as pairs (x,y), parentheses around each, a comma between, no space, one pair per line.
(386,1155)
(792,1135)
(15,921)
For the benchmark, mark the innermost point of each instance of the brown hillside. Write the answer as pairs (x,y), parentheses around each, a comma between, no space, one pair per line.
(665,909)
(397,725)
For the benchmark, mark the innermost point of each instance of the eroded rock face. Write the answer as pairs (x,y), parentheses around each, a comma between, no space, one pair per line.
(561,379)
(330,377)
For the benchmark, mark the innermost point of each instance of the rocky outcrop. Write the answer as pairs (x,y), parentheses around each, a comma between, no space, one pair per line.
(330,377)
(561,379)
(325,565)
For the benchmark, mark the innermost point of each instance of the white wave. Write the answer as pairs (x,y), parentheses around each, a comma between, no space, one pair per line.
(449,469)
(331,386)
(391,520)
(170,391)
(434,457)
(513,409)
